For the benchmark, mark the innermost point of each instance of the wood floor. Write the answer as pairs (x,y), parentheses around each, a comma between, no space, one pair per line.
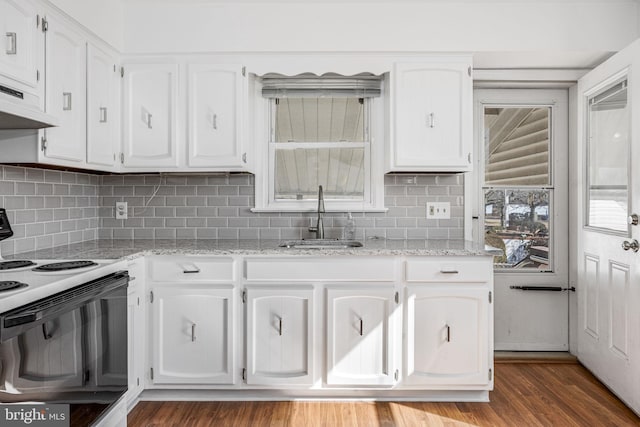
(526,394)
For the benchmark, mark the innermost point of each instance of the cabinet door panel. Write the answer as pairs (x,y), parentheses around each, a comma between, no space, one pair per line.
(150,116)
(447,336)
(215,115)
(279,336)
(66,93)
(432,116)
(359,336)
(18,54)
(193,343)
(102,114)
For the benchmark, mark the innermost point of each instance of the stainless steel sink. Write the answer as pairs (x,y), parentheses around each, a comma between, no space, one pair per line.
(320,244)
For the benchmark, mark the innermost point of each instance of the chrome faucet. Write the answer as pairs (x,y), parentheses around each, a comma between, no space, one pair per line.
(319,228)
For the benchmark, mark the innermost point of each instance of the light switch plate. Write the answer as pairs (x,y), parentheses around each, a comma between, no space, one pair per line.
(121,210)
(438,210)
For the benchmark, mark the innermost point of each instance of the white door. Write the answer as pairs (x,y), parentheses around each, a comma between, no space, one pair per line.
(447,335)
(192,335)
(102,112)
(150,116)
(608,276)
(66,93)
(216,94)
(18,55)
(360,335)
(279,336)
(432,106)
(522,208)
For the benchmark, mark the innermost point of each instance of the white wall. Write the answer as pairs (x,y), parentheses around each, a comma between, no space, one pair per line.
(102,17)
(579,28)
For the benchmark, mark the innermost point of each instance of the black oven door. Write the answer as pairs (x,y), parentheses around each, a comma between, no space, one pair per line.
(69,348)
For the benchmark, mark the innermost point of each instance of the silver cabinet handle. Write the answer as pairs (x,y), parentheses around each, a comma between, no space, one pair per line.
(449,271)
(448,333)
(66,101)
(12,43)
(45,331)
(193,332)
(361,327)
(189,268)
(149,121)
(215,121)
(244,157)
(280,326)
(632,219)
(103,114)
(633,245)
(431,120)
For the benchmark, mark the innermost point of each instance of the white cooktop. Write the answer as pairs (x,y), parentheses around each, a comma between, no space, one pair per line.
(43,284)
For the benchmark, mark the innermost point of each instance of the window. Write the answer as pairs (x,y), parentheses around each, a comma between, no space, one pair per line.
(517,185)
(322,133)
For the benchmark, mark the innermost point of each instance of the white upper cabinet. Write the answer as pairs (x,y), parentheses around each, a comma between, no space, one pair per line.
(102,108)
(216,97)
(150,139)
(65,94)
(21,37)
(431,116)
(360,336)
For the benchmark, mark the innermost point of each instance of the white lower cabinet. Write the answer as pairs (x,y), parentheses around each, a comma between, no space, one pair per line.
(447,340)
(360,336)
(193,338)
(279,335)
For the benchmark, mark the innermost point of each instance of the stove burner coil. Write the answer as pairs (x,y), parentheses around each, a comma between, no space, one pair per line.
(11,265)
(9,285)
(66,265)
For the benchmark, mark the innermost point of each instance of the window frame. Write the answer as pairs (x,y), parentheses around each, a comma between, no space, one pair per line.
(373,200)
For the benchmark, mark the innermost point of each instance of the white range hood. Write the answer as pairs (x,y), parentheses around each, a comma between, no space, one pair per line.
(16,112)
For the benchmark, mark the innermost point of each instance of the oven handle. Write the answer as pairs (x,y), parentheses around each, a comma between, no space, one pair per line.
(58,304)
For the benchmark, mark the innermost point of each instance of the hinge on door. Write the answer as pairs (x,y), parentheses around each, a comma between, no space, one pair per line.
(121,71)
(396,375)
(469,71)
(138,301)
(43,143)
(490,298)
(244,374)
(45,25)
(469,158)
(396,297)
(151,297)
(244,297)
(244,71)
(151,369)
(490,373)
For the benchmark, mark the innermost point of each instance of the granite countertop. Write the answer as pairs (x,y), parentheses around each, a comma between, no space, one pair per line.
(125,248)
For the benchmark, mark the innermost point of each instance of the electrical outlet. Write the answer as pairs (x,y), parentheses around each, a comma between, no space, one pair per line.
(121,210)
(438,210)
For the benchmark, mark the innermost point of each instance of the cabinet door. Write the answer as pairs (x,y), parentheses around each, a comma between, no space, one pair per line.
(20,36)
(279,336)
(447,336)
(150,115)
(66,93)
(193,335)
(216,105)
(102,111)
(136,339)
(432,117)
(360,336)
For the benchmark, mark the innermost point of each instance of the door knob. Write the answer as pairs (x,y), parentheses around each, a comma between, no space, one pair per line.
(632,219)
(626,245)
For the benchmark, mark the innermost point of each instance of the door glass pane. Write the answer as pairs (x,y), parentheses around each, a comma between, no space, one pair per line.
(517,221)
(608,159)
(517,146)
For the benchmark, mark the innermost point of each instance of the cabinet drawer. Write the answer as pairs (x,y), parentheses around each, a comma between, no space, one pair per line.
(327,269)
(448,269)
(191,269)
